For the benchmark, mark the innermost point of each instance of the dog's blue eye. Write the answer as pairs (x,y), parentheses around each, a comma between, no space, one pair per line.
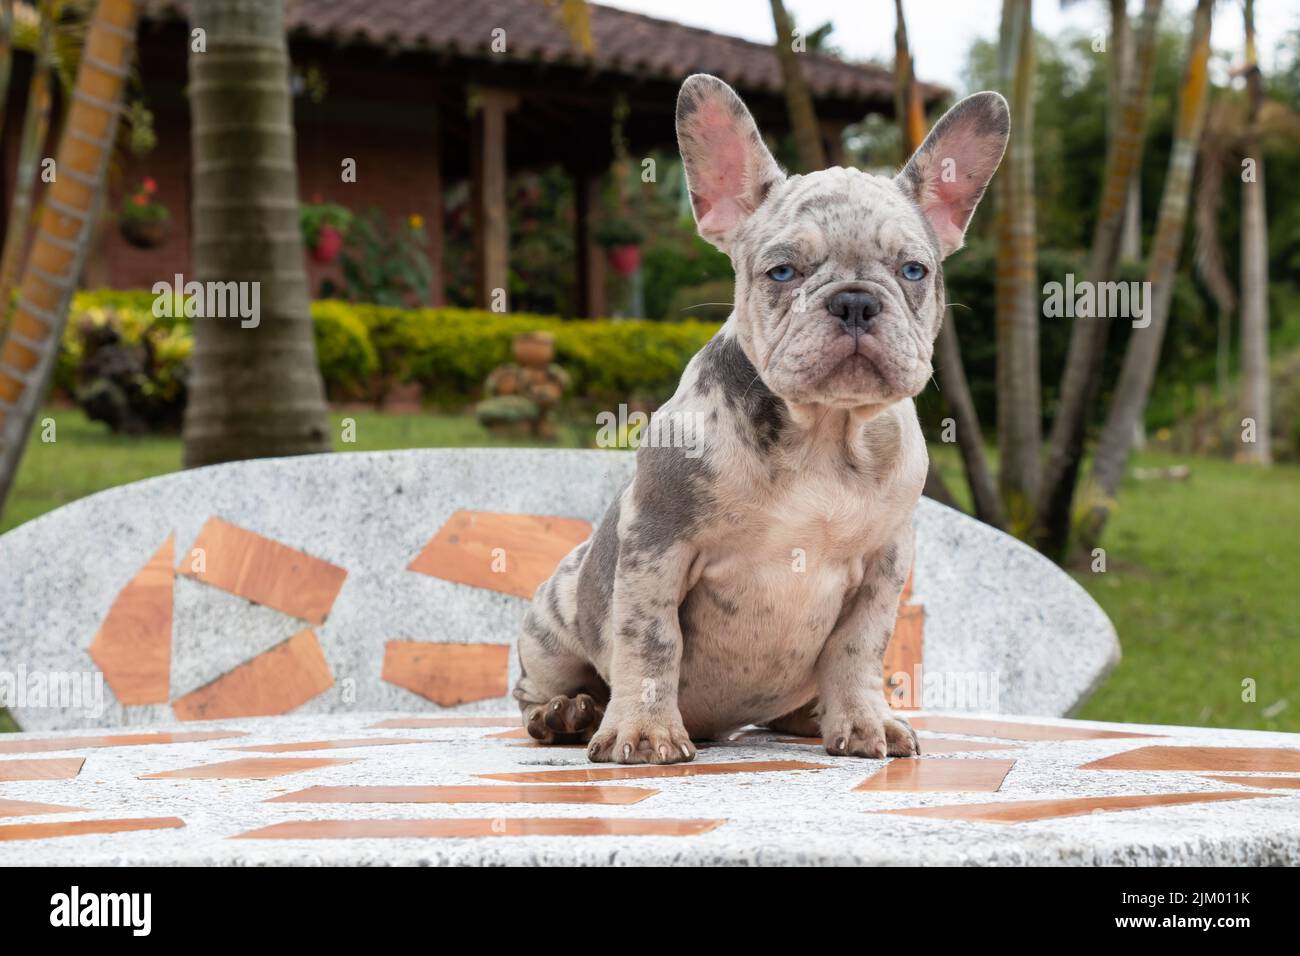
(913,271)
(781,273)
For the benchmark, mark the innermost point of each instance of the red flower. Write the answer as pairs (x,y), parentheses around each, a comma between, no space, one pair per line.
(150,186)
(140,199)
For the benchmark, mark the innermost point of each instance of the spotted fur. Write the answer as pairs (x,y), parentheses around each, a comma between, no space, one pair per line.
(758,582)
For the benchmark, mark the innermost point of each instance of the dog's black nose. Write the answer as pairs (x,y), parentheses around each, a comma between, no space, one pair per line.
(855,310)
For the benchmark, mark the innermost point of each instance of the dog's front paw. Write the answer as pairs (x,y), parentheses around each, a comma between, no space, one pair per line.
(641,739)
(869,734)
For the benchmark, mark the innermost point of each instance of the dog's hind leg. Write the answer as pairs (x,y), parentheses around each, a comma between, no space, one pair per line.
(801,722)
(561,696)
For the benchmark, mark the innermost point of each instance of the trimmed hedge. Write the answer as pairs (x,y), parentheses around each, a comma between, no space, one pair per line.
(363,349)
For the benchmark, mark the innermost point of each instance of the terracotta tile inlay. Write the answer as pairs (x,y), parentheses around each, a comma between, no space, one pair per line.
(327,745)
(248,768)
(939,775)
(1024,811)
(537,744)
(448,674)
(264,571)
(519,733)
(52,768)
(903,655)
(528,826)
(421,723)
(951,745)
(274,682)
(45,831)
(482,793)
(1257,759)
(510,553)
(929,745)
(24,808)
(133,646)
(54,744)
(1268,783)
(632,772)
(1011,730)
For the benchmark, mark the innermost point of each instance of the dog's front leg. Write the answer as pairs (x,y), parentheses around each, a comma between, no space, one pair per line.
(642,723)
(854,716)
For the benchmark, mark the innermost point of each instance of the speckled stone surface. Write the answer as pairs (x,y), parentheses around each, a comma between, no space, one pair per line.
(995,611)
(792,817)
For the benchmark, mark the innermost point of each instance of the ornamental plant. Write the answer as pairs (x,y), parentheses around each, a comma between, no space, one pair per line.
(141,204)
(318,214)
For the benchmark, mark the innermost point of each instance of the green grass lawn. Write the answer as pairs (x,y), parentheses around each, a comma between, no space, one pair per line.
(1203,586)
(1203,579)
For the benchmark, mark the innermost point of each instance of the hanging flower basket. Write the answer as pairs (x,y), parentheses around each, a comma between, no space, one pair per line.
(144,235)
(324,228)
(621,236)
(625,260)
(329,243)
(143,221)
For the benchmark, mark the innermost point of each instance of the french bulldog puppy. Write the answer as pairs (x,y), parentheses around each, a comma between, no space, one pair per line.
(756,578)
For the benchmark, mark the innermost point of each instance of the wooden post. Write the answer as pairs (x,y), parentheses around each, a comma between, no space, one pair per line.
(590,292)
(833,141)
(488,188)
(437,286)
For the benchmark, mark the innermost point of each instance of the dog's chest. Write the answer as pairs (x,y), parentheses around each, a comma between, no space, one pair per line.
(807,530)
(781,562)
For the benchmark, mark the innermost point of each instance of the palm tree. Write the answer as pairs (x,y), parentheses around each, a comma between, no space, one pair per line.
(1254,268)
(1018,298)
(36,126)
(907,95)
(1081,378)
(32,339)
(6,53)
(947,352)
(254,392)
(1143,351)
(1119,66)
(1219,145)
(803,118)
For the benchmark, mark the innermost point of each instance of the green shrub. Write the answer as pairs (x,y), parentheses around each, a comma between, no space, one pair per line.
(125,367)
(363,348)
(451,351)
(347,357)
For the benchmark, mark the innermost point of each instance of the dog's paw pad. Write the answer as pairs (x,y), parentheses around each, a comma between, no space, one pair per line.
(563,720)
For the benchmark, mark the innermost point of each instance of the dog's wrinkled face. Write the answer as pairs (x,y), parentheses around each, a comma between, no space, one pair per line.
(839,285)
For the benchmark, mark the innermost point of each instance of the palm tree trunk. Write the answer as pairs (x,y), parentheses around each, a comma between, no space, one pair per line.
(255,391)
(799,102)
(32,340)
(6,53)
(1143,352)
(970,439)
(947,356)
(36,126)
(1254,271)
(1019,300)
(1081,378)
(907,95)
(1119,66)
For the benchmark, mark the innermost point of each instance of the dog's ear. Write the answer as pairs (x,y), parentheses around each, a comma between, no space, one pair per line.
(947,175)
(729,170)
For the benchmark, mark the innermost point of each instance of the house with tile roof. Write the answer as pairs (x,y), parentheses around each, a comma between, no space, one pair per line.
(421,94)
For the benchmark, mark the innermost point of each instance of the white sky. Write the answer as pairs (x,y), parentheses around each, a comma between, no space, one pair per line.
(941,31)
